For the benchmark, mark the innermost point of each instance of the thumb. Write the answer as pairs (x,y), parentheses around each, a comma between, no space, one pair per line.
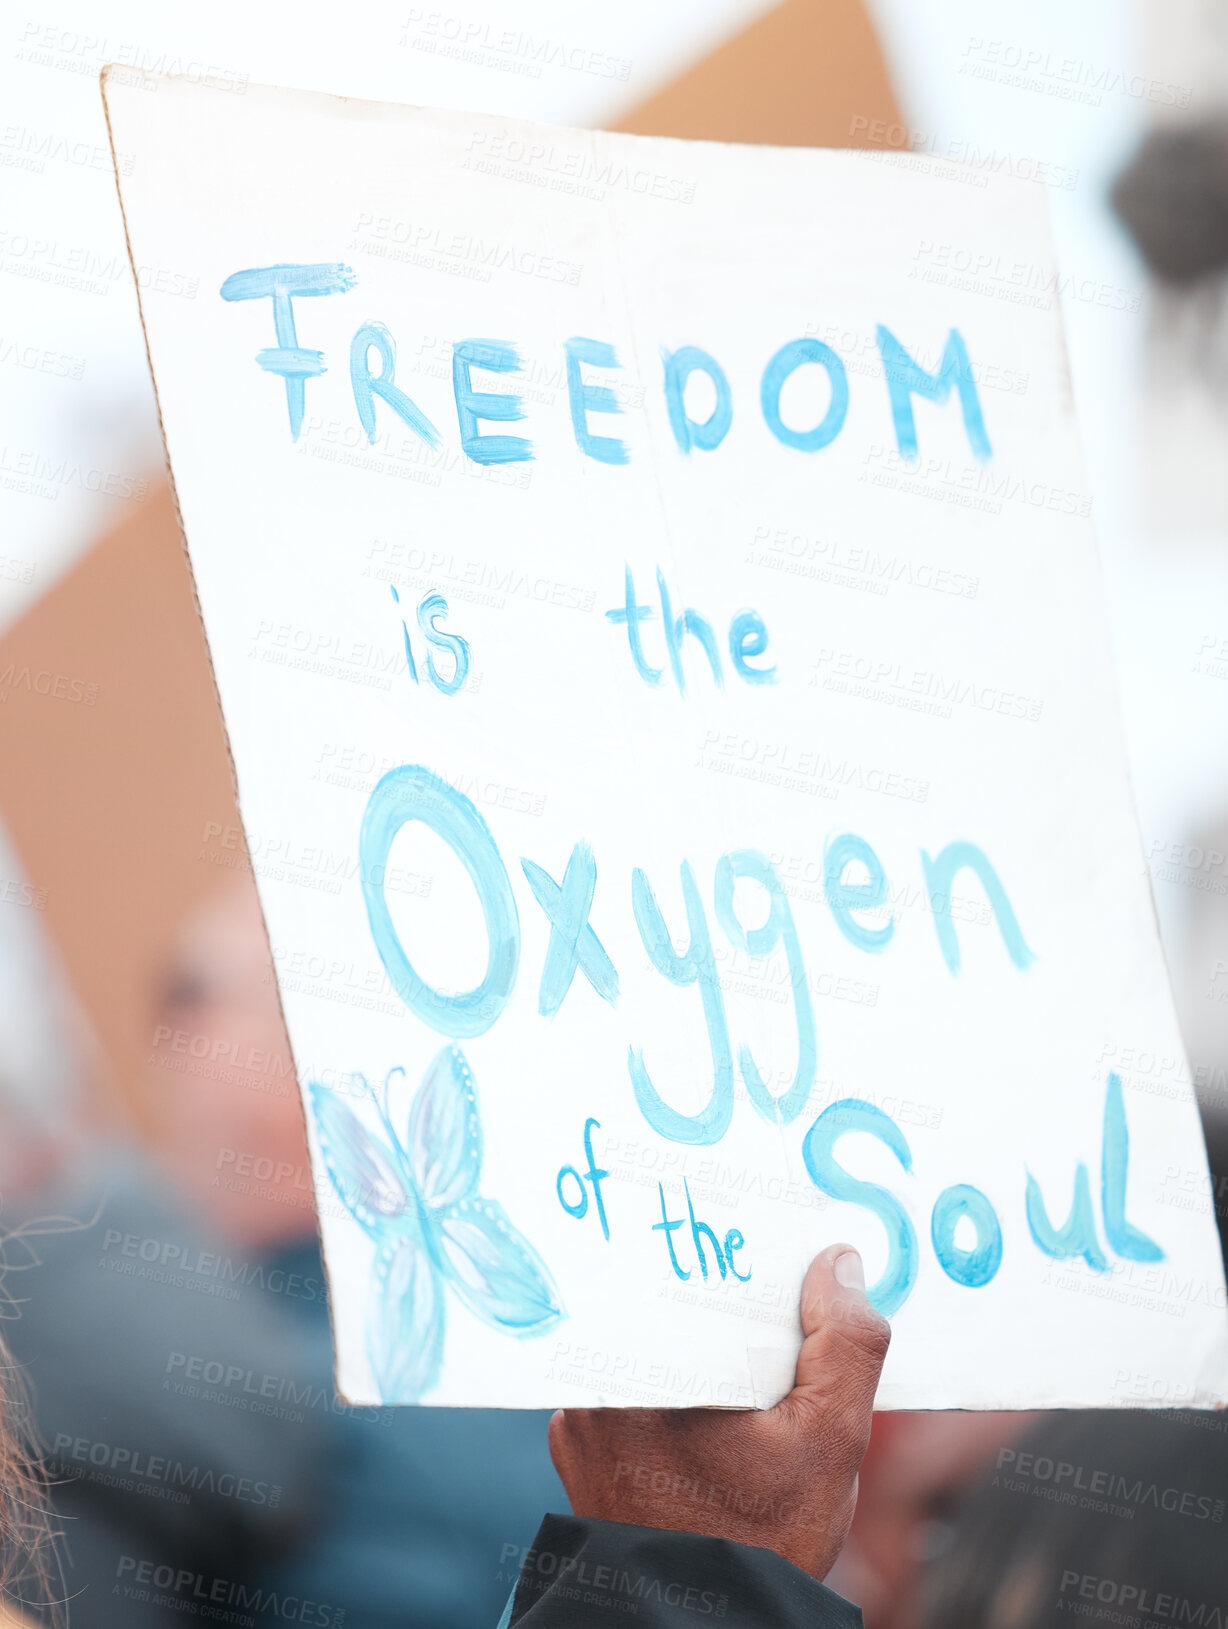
(845,1343)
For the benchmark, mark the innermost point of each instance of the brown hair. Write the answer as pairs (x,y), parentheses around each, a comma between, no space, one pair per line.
(29,1563)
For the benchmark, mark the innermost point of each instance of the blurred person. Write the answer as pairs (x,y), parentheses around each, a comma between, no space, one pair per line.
(1114,1517)
(211,1372)
(218,1097)
(412,1508)
(917,1469)
(108,1452)
(164,1490)
(1173,199)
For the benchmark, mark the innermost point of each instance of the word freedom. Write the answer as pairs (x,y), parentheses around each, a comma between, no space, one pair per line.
(295,364)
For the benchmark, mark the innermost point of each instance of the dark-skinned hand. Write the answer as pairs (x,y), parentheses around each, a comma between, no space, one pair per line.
(783,1478)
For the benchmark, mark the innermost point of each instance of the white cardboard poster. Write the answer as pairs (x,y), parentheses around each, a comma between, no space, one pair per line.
(654,604)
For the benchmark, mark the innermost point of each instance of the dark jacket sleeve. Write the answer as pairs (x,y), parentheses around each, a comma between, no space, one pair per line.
(583,1574)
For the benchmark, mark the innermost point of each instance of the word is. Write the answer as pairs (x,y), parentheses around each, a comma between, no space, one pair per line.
(430,613)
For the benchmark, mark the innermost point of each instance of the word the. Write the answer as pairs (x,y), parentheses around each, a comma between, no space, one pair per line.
(748,637)
(724,1255)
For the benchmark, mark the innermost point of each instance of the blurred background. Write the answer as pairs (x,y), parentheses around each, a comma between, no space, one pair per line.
(163,1287)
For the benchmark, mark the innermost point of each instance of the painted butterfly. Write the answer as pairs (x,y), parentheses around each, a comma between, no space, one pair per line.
(418,1200)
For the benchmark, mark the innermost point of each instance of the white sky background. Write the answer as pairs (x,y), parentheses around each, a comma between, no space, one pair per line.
(1165,593)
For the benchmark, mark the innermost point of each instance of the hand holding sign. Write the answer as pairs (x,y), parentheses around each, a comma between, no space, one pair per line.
(676,743)
(784,1479)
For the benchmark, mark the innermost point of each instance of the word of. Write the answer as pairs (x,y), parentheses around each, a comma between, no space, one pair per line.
(748,637)
(294,364)
(579,1207)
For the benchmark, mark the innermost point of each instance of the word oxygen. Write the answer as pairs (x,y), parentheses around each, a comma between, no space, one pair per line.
(855,885)
(295,364)
(411,793)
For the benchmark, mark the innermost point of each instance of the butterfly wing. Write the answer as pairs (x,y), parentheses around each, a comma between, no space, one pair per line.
(492,1267)
(445,1134)
(405,1320)
(496,1271)
(361,1168)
